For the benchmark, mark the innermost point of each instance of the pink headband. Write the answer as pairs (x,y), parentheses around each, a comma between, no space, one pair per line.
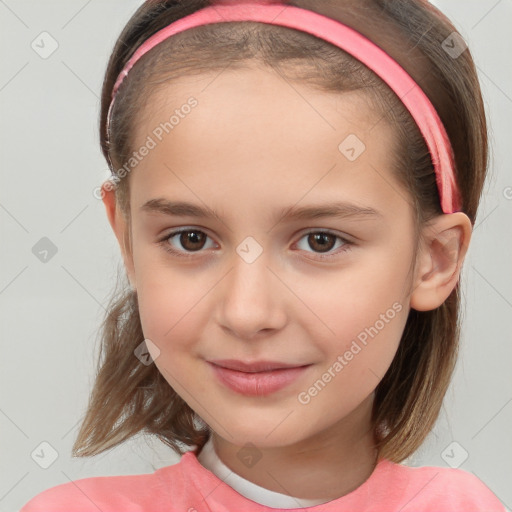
(346,38)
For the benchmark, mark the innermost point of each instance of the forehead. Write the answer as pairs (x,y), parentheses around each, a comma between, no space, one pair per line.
(249,88)
(255,128)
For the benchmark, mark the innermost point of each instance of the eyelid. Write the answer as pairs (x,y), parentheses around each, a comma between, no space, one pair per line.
(164,240)
(333,232)
(336,254)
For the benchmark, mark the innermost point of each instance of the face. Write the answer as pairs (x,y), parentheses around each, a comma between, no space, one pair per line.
(254,282)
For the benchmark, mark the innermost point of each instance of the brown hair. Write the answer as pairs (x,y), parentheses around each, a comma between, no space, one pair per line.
(129,397)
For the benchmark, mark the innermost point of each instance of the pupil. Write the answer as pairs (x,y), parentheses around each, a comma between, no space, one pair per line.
(320,238)
(191,237)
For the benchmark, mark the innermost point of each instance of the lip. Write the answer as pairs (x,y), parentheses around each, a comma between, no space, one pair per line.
(254,366)
(257,379)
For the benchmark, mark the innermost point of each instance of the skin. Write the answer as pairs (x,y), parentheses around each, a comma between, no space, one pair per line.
(257,143)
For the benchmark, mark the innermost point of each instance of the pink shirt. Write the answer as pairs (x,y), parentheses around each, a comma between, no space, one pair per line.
(188,486)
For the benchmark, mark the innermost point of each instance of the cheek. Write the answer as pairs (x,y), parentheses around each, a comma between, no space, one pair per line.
(348,302)
(364,345)
(166,312)
(359,319)
(172,304)
(171,319)
(354,362)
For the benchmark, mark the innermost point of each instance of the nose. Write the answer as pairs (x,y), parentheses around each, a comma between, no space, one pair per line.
(251,299)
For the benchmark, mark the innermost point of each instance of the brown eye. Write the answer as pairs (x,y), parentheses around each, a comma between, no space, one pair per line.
(322,242)
(192,240)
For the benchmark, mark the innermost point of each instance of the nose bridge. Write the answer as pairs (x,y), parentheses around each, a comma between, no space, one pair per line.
(250,281)
(250,297)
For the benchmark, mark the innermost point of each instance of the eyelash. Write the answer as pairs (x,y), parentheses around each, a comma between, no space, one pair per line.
(345,248)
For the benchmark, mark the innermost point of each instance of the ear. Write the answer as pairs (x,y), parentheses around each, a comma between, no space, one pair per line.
(120,228)
(440,257)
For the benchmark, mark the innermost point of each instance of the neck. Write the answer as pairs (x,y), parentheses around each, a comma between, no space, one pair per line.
(328,465)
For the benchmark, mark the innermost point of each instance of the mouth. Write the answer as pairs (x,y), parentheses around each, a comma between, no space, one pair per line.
(256,379)
(255,366)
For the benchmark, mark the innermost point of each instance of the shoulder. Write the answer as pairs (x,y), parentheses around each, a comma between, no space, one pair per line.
(449,488)
(106,493)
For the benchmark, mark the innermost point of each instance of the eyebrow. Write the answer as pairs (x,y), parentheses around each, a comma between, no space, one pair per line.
(334,209)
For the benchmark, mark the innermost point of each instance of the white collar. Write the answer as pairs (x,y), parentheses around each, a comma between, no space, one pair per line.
(210,460)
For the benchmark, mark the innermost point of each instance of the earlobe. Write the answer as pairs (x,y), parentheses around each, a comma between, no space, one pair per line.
(440,258)
(118,224)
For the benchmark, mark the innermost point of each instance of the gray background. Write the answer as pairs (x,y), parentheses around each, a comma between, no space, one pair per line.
(50,312)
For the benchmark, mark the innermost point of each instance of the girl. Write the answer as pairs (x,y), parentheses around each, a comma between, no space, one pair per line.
(294,189)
